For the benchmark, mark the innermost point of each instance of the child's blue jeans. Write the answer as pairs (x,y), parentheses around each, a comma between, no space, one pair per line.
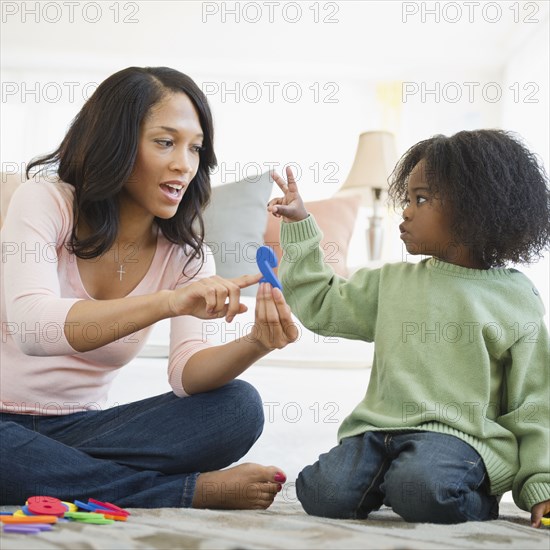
(422,476)
(146,454)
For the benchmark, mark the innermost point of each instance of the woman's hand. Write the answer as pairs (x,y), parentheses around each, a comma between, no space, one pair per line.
(538,511)
(212,297)
(290,206)
(273,324)
(273,328)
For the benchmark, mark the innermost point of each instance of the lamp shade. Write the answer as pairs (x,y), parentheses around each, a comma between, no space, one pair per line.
(375,160)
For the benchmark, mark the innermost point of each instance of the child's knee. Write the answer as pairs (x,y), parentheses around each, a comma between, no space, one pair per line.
(412,499)
(323,497)
(409,492)
(420,498)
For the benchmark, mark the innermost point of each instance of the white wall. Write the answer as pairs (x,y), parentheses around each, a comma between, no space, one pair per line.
(318,132)
(527,112)
(352,52)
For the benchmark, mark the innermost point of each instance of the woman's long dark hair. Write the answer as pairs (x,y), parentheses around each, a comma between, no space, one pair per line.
(99,151)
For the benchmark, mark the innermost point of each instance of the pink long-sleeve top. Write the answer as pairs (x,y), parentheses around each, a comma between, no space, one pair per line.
(40,373)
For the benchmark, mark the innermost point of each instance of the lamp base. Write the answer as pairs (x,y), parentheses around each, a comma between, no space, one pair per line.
(375,238)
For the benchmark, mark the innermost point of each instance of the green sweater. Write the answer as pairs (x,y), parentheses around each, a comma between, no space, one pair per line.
(457,351)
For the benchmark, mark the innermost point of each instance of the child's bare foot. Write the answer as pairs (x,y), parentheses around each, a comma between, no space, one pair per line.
(243,487)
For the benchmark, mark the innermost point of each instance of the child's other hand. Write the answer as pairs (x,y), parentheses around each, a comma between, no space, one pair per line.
(274,327)
(291,206)
(538,511)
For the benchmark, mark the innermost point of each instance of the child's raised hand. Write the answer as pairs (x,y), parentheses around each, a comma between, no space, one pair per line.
(291,206)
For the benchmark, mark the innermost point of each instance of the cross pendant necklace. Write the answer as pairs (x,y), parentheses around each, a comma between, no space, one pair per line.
(121,271)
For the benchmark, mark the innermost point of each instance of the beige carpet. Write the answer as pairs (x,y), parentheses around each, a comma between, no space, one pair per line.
(283,525)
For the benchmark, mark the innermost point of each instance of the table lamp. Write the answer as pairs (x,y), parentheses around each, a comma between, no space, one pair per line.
(375,160)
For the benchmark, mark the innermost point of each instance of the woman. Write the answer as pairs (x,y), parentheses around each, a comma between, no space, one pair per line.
(120,247)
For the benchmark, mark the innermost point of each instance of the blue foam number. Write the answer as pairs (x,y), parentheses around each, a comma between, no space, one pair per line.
(266,260)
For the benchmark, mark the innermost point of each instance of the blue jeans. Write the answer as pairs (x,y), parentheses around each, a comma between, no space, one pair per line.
(146,454)
(422,476)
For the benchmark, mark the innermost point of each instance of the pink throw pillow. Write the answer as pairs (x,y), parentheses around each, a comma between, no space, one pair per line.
(336,219)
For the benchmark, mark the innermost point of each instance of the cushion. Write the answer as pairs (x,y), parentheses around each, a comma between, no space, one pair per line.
(234,225)
(336,219)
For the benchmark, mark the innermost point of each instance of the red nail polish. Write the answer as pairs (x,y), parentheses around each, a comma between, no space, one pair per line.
(280,477)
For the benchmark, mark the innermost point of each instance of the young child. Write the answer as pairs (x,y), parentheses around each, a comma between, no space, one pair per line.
(457,408)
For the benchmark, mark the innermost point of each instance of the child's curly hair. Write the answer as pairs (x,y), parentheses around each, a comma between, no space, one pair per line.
(496,188)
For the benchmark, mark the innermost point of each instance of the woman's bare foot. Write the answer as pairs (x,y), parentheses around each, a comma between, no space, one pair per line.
(243,487)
